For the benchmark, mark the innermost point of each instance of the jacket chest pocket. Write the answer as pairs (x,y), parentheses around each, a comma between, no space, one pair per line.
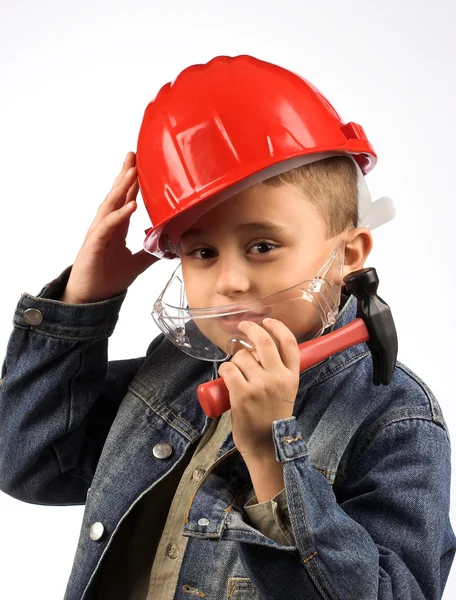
(241,588)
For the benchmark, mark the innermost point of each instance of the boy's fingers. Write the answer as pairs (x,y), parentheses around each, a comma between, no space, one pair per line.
(233,378)
(131,197)
(142,260)
(130,161)
(133,191)
(124,189)
(265,346)
(116,196)
(287,345)
(122,229)
(247,364)
(120,189)
(106,226)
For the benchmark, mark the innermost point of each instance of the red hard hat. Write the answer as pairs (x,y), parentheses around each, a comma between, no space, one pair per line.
(221,123)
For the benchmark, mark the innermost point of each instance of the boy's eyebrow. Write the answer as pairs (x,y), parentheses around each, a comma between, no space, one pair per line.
(265,225)
(273,228)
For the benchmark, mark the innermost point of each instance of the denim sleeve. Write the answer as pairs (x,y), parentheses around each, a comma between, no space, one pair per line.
(386,535)
(58,395)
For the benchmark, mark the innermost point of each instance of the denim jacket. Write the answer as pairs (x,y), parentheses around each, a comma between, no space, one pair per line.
(366,468)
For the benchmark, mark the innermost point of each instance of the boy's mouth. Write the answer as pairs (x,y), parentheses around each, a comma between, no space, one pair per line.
(230,322)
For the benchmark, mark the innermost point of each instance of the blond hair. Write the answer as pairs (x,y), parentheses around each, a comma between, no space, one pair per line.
(331,185)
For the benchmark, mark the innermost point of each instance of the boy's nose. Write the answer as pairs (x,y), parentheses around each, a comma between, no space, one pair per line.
(232,278)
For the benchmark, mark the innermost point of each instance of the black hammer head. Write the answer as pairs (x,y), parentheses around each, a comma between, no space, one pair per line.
(377,316)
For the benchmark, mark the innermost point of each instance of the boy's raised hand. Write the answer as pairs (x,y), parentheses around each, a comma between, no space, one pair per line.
(104,266)
(262,389)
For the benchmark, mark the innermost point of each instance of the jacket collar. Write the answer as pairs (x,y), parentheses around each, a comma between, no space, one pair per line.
(347,314)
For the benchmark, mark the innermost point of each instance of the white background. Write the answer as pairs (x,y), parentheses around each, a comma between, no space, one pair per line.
(75,79)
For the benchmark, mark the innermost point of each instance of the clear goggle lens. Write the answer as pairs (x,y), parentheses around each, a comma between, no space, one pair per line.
(212,333)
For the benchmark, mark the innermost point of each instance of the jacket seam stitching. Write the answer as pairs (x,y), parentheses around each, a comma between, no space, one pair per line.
(324,578)
(65,337)
(68,421)
(312,550)
(60,303)
(165,413)
(377,429)
(337,369)
(309,565)
(154,407)
(429,395)
(303,516)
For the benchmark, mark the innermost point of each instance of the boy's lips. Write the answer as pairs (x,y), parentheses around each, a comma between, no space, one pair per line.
(231,322)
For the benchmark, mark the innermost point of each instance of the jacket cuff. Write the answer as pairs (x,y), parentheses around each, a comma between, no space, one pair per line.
(288,441)
(271,518)
(46,314)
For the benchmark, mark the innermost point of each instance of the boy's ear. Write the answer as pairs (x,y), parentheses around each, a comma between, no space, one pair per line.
(358,245)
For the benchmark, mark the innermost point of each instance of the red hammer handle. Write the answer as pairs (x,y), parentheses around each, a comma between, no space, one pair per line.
(215,398)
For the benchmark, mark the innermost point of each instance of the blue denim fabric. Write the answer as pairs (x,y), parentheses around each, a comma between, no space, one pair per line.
(366,468)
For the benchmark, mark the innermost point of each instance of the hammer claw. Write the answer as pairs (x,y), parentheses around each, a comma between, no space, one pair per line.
(377,316)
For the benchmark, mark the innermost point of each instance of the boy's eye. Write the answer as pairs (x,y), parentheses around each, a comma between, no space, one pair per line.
(203,253)
(261,248)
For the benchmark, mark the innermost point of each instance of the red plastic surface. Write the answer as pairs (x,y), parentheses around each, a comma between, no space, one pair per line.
(215,398)
(221,122)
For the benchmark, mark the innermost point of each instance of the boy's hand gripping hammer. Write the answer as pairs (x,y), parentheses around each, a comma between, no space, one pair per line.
(373,324)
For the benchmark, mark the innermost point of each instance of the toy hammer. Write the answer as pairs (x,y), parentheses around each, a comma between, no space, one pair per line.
(373,324)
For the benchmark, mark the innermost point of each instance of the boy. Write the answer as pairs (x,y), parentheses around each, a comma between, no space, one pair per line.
(313,485)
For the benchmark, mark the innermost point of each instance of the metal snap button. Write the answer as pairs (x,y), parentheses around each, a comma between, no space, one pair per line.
(203,522)
(33,316)
(172,550)
(162,450)
(97,531)
(198,474)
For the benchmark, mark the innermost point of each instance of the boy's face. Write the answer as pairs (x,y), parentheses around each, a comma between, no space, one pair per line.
(261,241)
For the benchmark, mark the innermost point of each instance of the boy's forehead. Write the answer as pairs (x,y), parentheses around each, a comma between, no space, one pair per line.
(259,209)
(250,226)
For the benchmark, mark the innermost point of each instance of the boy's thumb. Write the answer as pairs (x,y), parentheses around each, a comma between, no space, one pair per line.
(142,260)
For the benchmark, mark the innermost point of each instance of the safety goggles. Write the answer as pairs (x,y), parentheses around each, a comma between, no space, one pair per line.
(212,334)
